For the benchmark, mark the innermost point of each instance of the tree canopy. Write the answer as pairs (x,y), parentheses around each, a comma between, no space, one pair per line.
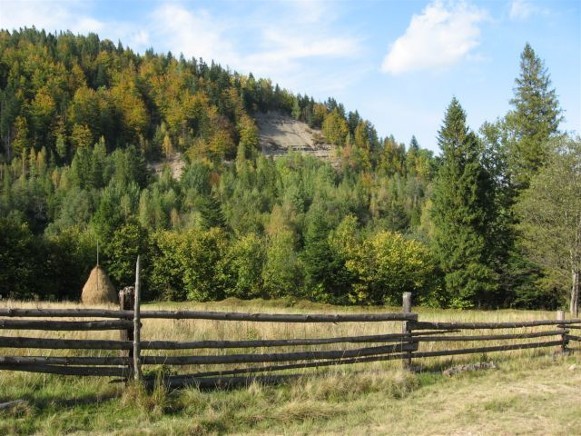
(83,120)
(550,212)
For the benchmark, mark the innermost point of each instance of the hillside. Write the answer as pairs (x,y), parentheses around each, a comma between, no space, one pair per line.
(86,127)
(278,134)
(63,92)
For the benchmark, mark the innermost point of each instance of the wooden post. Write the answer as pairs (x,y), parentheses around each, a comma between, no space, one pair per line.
(127,302)
(137,326)
(574,308)
(564,341)
(406,328)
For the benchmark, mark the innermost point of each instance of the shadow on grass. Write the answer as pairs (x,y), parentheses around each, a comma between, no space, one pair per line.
(173,382)
(46,402)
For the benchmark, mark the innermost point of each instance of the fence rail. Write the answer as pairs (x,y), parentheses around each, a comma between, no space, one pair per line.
(125,357)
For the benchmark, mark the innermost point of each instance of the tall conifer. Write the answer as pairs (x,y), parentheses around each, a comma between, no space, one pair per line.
(534,119)
(459,211)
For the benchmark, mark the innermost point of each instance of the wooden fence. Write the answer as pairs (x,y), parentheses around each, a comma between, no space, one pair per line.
(231,359)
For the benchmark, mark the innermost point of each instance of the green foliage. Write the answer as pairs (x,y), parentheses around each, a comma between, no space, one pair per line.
(383,265)
(81,120)
(335,128)
(242,267)
(67,261)
(168,269)
(202,253)
(120,253)
(550,212)
(326,277)
(17,254)
(188,265)
(534,119)
(460,207)
(281,274)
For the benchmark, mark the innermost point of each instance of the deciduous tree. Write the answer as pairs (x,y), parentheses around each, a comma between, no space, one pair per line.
(550,212)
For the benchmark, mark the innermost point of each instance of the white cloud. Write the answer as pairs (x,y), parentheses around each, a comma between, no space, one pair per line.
(442,35)
(276,42)
(139,39)
(279,40)
(299,43)
(291,42)
(51,16)
(293,45)
(192,33)
(522,10)
(312,11)
(85,24)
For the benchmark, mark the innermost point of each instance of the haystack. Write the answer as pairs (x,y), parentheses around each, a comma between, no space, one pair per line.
(99,289)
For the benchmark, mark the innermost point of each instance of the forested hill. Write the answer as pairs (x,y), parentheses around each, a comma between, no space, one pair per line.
(82,119)
(64,92)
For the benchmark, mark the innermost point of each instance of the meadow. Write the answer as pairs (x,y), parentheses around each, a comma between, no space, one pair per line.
(530,391)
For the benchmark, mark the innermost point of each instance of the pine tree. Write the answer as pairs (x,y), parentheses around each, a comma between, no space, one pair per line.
(459,212)
(534,119)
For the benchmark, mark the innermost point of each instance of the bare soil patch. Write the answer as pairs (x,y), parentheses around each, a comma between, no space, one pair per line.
(280,134)
(175,162)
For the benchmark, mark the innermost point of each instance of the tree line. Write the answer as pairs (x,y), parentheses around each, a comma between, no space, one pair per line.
(81,119)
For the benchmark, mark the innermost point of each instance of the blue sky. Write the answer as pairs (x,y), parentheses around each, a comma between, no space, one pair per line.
(399,63)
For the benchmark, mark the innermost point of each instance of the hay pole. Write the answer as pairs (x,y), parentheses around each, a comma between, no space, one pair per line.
(137,325)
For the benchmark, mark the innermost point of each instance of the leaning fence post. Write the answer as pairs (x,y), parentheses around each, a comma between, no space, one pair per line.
(407,330)
(137,326)
(564,340)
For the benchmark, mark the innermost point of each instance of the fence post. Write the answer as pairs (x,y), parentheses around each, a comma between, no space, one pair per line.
(127,302)
(407,330)
(564,340)
(137,326)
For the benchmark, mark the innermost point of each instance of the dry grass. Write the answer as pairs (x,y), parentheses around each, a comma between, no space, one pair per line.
(540,398)
(530,392)
(194,330)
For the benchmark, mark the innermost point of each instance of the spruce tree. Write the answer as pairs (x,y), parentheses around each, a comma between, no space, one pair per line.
(534,119)
(460,203)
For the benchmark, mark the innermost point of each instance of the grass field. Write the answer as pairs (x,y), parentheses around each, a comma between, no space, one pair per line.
(528,393)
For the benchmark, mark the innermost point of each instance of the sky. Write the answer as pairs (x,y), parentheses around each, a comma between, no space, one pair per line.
(398,63)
